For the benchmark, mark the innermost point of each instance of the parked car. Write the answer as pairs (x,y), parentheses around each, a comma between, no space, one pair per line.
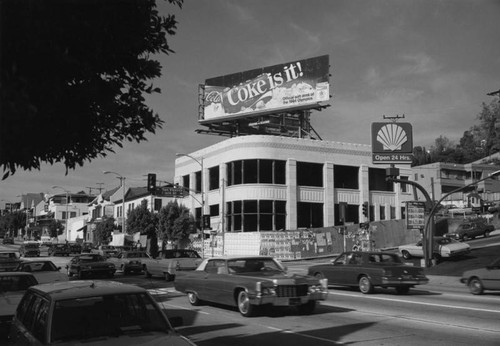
(443,248)
(105,250)
(169,262)
(129,261)
(96,312)
(59,250)
(91,264)
(75,248)
(470,230)
(487,278)
(367,270)
(248,282)
(8,240)
(12,288)
(87,248)
(9,260)
(31,249)
(45,271)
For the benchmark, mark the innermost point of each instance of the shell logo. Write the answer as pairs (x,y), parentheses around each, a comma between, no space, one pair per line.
(392,137)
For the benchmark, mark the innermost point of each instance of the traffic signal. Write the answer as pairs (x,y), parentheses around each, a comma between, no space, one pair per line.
(365,209)
(152,183)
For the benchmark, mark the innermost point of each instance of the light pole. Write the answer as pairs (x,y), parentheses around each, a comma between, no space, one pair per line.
(430,238)
(67,205)
(200,162)
(122,183)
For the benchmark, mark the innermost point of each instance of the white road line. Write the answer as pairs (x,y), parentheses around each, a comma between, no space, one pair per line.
(410,302)
(304,335)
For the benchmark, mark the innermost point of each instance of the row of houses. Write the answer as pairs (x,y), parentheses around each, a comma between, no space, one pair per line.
(261,183)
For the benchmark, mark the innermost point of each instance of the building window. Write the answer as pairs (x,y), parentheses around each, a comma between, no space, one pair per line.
(393,213)
(377,182)
(158,204)
(213,178)
(64,217)
(197,179)
(346,177)
(352,214)
(256,215)
(72,214)
(404,187)
(309,174)
(309,215)
(382,212)
(185,181)
(256,172)
(214,210)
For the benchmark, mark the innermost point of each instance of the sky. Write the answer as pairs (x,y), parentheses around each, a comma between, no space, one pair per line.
(432,61)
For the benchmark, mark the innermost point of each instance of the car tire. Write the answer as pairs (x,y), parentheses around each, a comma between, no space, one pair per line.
(147,273)
(126,271)
(244,307)
(486,234)
(319,276)
(79,275)
(406,254)
(169,277)
(365,285)
(476,286)
(193,299)
(307,308)
(465,237)
(402,289)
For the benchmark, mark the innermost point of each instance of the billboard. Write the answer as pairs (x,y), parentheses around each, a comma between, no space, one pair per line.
(392,142)
(300,84)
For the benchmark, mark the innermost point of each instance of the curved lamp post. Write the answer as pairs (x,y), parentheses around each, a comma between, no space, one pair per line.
(122,183)
(430,238)
(200,162)
(67,211)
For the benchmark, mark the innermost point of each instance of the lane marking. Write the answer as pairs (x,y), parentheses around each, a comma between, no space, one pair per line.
(287,331)
(412,302)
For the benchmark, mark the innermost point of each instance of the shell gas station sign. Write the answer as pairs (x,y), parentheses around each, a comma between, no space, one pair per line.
(392,142)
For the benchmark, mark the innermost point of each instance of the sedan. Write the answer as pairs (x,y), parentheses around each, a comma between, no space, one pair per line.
(481,279)
(45,271)
(248,282)
(92,313)
(89,265)
(369,269)
(129,261)
(443,248)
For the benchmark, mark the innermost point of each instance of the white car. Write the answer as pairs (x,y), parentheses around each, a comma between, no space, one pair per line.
(443,247)
(44,271)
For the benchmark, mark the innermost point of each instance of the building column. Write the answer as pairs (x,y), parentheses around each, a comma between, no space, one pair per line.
(291,194)
(329,195)
(222,192)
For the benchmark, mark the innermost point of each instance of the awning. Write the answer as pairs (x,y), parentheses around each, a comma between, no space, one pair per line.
(84,228)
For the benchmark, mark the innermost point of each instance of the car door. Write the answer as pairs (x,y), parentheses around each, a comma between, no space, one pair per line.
(216,285)
(491,278)
(336,273)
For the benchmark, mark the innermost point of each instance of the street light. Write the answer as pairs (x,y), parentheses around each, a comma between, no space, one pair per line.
(430,238)
(67,204)
(122,183)
(200,162)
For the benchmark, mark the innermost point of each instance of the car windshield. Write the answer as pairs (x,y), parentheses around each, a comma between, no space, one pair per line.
(252,265)
(106,316)
(92,258)
(445,241)
(38,267)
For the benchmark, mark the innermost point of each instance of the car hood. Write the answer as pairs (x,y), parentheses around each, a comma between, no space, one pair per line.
(455,246)
(146,338)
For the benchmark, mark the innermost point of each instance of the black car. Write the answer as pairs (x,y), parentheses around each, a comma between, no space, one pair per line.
(91,264)
(59,250)
(8,240)
(75,248)
(29,250)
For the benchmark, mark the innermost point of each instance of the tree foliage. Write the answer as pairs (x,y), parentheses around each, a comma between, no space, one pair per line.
(142,220)
(74,78)
(55,228)
(481,140)
(176,223)
(104,230)
(13,222)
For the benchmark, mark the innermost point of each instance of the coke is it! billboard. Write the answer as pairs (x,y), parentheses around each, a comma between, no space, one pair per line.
(300,84)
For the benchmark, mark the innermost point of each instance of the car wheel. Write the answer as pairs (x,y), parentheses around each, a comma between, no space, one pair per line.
(148,274)
(486,234)
(436,257)
(70,274)
(169,277)
(126,271)
(79,275)
(465,237)
(307,308)
(193,299)
(402,289)
(244,307)
(319,276)
(406,254)
(476,286)
(365,285)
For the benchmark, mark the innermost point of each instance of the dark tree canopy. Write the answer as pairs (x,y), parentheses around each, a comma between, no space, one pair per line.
(74,74)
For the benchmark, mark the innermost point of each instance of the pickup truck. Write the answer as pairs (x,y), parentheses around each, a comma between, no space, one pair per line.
(169,262)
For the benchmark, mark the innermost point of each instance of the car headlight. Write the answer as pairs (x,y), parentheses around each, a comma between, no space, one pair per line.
(264,289)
